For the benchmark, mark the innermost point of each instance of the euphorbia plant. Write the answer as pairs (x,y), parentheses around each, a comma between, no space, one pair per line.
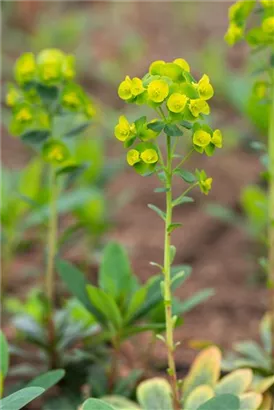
(180,104)
(260,39)
(48,110)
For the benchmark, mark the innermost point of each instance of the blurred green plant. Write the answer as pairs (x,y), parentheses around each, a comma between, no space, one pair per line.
(33,389)
(261,37)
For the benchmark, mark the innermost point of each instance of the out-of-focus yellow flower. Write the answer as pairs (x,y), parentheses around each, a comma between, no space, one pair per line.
(176,102)
(124,89)
(13,96)
(217,139)
(201,138)
(156,67)
(205,88)
(137,86)
(149,156)
(90,110)
(260,89)
(234,33)
(25,68)
(182,63)
(198,107)
(268,24)
(55,152)
(133,156)
(158,91)
(24,115)
(71,99)
(267,3)
(68,67)
(173,71)
(124,130)
(50,65)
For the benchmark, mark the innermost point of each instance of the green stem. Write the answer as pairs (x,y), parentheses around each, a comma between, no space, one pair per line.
(50,278)
(167,283)
(271,218)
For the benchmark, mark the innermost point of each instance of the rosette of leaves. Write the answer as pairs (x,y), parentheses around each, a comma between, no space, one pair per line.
(202,389)
(256,356)
(33,389)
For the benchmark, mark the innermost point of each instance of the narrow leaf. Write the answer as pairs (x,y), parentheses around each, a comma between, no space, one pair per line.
(19,399)
(158,211)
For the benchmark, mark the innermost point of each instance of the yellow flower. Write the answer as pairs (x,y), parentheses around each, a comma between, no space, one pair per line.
(201,138)
(217,139)
(12,96)
(156,67)
(199,106)
(149,156)
(50,64)
(125,89)
(268,24)
(176,102)
(158,90)
(68,68)
(260,89)
(90,110)
(71,99)
(205,186)
(24,115)
(234,33)
(55,152)
(124,130)
(133,156)
(25,68)
(205,88)
(137,86)
(182,63)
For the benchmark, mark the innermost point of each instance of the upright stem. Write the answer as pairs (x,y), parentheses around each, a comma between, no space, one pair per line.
(271,218)
(50,279)
(167,282)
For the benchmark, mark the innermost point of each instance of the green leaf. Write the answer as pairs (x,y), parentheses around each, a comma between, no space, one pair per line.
(172,130)
(35,136)
(253,351)
(136,302)
(187,176)
(47,380)
(186,124)
(77,283)
(155,394)
(182,200)
(19,399)
(106,305)
(189,91)
(195,300)
(172,253)
(115,275)
(199,396)
(250,401)
(71,169)
(156,126)
(222,402)
(95,404)
(158,211)
(236,382)
(120,402)
(4,356)
(161,189)
(78,129)
(173,226)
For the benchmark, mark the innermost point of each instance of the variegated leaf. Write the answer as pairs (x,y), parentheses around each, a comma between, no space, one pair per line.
(155,394)
(198,396)
(250,401)
(236,382)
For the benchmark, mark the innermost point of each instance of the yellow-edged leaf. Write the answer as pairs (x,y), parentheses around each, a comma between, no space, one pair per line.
(250,401)
(236,382)
(198,397)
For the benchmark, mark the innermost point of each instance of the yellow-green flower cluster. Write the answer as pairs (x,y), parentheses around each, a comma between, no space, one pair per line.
(169,84)
(171,90)
(42,81)
(206,140)
(238,14)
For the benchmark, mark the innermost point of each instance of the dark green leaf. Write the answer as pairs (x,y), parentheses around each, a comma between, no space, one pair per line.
(186,124)
(194,300)
(187,176)
(172,130)
(156,126)
(35,136)
(173,226)
(161,190)
(48,94)
(47,380)
(72,169)
(19,399)
(77,283)
(78,129)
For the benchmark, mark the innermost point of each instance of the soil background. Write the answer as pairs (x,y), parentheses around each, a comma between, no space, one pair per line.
(223,257)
